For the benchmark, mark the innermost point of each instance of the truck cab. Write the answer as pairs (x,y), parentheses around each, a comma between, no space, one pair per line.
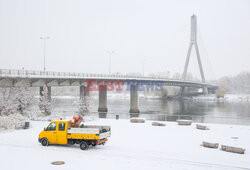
(55,132)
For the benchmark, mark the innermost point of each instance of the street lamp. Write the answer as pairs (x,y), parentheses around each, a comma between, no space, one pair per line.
(143,66)
(110,54)
(44,49)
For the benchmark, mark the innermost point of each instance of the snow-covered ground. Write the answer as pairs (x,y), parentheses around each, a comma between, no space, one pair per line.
(131,146)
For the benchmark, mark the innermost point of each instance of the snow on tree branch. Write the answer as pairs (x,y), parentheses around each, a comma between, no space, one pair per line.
(45,103)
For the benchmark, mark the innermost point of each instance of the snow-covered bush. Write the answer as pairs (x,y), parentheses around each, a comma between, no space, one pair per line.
(15,100)
(24,96)
(13,121)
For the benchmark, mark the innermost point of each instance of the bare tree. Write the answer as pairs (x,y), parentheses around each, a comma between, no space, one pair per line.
(163,74)
(176,76)
(236,84)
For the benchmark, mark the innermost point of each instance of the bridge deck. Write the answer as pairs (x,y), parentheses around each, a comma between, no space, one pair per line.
(50,76)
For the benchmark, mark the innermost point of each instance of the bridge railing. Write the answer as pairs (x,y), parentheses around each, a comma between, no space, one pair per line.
(52,74)
(31,73)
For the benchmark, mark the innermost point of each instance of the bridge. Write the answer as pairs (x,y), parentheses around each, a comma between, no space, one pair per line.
(105,82)
(27,78)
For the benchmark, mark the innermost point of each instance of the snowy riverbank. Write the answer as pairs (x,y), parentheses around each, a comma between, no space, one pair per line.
(230,98)
(131,146)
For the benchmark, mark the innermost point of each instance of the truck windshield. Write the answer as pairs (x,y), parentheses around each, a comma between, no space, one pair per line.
(51,127)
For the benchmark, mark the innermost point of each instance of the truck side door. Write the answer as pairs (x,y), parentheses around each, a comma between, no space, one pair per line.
(61,135)
(51,132)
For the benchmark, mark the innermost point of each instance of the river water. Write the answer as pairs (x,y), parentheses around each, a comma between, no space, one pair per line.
(166,110)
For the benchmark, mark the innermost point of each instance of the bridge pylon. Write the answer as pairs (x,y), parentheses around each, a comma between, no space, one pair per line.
(193,42)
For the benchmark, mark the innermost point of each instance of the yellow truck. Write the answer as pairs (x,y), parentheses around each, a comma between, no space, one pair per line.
(60,132)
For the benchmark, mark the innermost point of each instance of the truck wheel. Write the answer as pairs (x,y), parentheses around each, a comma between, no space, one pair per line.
(45,142)
(84,145)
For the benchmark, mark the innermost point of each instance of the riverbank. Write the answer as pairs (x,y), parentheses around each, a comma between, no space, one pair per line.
(131,146)
(230,98)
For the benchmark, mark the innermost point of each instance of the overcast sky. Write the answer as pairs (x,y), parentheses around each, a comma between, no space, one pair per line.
(157,31)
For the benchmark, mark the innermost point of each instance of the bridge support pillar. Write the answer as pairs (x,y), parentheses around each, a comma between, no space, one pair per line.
(134,99)
(205,90)
(83,92)
(48,92)
(102,98)
(183,91)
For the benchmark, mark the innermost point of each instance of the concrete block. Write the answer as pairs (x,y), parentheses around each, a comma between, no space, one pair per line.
(184,122)
(232,149)
(137,120)
(201,127)
(210,145)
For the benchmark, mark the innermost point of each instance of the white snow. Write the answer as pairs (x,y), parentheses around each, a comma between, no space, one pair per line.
(131,147)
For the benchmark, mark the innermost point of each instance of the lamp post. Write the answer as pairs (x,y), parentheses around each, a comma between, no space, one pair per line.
(143,62)
(110,54)
(44,50)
